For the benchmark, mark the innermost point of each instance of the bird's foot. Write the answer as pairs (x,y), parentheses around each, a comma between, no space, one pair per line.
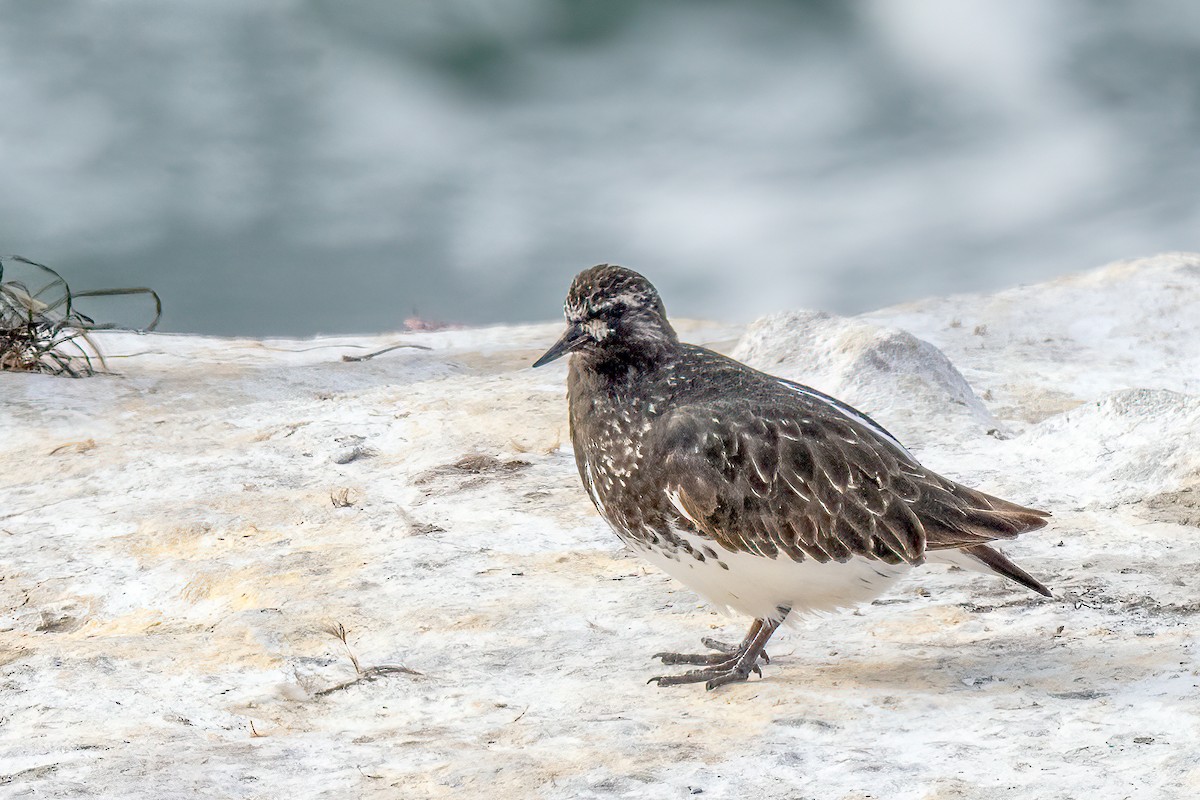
(725,653)
(729,671)
(730,664)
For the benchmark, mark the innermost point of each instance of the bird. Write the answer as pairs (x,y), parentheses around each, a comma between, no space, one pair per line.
(764,496)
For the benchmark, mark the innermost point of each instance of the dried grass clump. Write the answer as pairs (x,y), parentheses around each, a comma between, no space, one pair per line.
(40,330)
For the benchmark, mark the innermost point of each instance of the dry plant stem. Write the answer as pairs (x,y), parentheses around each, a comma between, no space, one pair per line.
(385,350)
(120,293)
(369,674)
(338,631)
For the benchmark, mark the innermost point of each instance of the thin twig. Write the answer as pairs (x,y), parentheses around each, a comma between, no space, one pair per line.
(369,674)
(385,350)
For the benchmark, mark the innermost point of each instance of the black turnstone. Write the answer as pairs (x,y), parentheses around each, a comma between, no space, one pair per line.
(762,495)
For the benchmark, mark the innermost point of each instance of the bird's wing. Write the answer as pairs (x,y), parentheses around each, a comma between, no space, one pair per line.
(800,478)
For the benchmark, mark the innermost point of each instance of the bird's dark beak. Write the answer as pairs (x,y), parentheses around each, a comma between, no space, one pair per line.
(570,340)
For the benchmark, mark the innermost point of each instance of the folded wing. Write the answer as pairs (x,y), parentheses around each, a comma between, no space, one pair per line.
(798,477)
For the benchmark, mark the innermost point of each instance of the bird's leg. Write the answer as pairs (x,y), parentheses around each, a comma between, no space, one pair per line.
(736,668)
(725,652)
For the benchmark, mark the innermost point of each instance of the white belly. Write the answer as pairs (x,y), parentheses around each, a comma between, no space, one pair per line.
(759,586)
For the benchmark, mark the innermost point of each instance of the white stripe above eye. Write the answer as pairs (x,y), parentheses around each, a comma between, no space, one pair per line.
(848,412)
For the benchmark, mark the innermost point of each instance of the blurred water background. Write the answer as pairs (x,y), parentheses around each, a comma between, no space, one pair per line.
(302,166)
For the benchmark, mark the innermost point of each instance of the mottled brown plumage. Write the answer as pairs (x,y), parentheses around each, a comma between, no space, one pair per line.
(762,494)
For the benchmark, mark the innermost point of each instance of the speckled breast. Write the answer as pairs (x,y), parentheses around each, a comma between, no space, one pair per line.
(608,431)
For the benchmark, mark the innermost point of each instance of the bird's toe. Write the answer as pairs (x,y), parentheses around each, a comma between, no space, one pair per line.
(734,650)
(712,677)
(696,658)
(717,644)
(731,676)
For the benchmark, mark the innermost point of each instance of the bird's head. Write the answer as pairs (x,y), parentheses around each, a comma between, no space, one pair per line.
(613,313)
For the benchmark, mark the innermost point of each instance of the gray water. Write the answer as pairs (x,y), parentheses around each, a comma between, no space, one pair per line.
(302,166)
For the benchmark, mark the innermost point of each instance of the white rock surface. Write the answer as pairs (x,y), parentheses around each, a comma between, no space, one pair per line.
(171,557)
(886,372)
